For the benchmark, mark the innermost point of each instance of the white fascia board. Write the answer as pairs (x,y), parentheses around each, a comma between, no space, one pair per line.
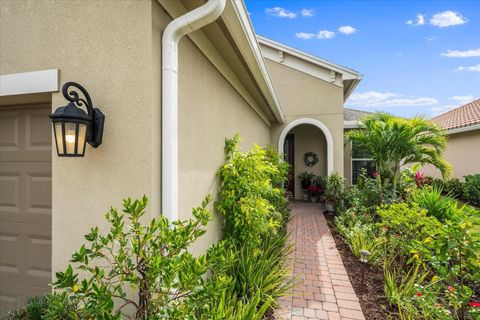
(464,129)
(350,124)
(347,73)
(29,82)
(260,68)
(296,63)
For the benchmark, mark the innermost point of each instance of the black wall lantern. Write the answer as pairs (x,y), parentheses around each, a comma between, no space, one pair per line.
(73,127)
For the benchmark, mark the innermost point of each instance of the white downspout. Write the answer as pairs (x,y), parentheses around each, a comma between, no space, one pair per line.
(172,34)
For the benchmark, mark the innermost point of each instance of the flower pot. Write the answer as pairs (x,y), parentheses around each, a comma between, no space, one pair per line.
(313,199)
(306,196)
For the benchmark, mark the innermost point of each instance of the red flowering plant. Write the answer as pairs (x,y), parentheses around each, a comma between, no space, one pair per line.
(422,180)
(314,190)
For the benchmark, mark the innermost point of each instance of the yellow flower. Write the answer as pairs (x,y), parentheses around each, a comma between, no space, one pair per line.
(75,288)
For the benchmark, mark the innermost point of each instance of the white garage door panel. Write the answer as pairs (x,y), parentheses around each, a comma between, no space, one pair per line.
(25,204)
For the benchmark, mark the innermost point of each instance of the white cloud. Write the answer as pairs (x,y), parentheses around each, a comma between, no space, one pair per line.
(347,30)
(304,35)
(322,34)
(388,99)
(325,34)
(447,19)
(463,99)
(280,12)
(419,20)
(461,54)
(475,68)
(307,12)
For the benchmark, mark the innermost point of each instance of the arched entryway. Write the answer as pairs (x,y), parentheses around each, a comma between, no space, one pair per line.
(306,135)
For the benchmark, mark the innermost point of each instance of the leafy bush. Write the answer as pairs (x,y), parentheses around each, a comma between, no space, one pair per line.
(408,223)
(151,260)
(471,189)
(34,310)
(250,194)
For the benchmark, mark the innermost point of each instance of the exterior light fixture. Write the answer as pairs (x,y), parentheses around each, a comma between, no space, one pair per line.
(364,254)
(73,127)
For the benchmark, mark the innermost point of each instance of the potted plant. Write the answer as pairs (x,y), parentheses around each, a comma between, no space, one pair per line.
(333,192)
(315,192)
(306,179)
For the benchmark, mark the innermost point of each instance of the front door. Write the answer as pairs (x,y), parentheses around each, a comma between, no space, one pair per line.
(289,154)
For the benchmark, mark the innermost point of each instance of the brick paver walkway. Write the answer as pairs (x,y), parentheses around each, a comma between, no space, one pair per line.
(322,289)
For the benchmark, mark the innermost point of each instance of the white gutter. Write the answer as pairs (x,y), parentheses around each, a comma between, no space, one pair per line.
(464,129)
(172,34)
(350,124)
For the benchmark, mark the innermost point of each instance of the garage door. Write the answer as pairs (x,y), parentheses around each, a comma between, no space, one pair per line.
(25,204)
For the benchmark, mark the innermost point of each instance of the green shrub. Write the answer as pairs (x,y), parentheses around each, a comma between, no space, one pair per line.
(34,310)
(152,260)
(408,222)
(251,196)
(471,189)
(454,188)
(255,210)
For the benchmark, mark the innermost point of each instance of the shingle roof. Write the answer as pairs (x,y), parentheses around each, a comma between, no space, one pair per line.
(354,115)
(464,116)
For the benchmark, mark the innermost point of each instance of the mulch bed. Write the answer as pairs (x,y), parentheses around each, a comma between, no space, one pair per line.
(370,293)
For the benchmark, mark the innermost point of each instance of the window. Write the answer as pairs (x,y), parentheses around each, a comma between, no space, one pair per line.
(360,160)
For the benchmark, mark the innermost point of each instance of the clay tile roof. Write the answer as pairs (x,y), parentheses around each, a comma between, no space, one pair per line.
(354,115)
(464,116)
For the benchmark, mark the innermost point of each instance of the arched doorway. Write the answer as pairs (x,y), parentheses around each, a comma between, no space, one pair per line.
(306,135)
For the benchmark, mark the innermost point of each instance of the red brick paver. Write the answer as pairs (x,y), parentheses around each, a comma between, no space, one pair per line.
(322,289)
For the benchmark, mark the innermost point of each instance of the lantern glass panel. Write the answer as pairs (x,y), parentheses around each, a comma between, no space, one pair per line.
(59,137)
(70,137)
(82,138)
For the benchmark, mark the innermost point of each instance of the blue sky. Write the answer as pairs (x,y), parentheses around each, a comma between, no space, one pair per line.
(417,57)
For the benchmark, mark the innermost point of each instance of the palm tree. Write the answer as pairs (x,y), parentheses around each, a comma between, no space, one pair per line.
(394,142)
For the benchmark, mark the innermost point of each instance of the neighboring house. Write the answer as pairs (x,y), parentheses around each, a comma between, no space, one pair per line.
(228,82)
(463,146)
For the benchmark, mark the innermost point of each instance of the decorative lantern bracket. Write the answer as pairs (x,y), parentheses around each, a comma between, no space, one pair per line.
(95,129)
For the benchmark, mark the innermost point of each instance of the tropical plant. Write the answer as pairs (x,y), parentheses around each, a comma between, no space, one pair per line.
(394,142)
(400,287)
(334,190)
(437,205)
(363,237)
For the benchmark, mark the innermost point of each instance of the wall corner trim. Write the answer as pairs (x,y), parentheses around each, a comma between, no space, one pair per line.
(29,82)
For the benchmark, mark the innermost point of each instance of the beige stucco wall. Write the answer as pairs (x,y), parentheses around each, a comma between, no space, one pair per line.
(304,96)
(308,138)
(463,153)
(113,49)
